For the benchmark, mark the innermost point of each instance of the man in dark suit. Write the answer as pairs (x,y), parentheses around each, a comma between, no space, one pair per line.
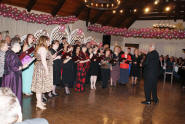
(151,74)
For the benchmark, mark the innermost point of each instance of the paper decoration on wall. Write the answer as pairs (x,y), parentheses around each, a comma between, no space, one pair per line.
(40,33)
(58,33)
(76,34)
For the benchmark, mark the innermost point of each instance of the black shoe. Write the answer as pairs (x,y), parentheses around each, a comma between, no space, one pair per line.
(44,99)
(155,101)
(146,102)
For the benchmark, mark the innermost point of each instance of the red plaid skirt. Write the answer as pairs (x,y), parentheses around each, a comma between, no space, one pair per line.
(81,75)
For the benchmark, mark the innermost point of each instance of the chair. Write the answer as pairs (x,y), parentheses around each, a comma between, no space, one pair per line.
(167,72)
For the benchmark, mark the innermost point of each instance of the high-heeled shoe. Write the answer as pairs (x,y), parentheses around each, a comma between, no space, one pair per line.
(50,95)
(40,106)
(55,94)
(91,86)
(67,91)
(94,87)
(44,104)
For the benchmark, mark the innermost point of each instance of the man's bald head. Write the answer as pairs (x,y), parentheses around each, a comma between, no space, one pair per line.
(152,47)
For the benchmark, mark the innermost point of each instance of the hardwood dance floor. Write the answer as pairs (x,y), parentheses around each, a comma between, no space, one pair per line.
(114,105)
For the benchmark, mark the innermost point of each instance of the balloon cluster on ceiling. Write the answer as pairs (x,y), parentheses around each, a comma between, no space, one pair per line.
(139,33)
(14,13)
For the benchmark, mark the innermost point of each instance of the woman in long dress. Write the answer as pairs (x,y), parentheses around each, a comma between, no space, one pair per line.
(115,69)
(68,69)
(56,67)
(76,52)
(27,73)
(43,71)
(135,68)
(13,70)
(82,69)
(105,68)
(124,68)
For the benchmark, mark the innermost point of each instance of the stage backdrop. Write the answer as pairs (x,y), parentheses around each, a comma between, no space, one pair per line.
(170,47)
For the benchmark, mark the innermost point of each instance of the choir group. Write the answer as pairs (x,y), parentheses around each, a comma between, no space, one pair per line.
(40,66)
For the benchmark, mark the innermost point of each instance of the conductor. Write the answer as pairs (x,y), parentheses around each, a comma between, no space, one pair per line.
(151,73)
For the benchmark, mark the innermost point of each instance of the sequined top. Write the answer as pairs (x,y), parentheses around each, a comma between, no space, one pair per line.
(2,62)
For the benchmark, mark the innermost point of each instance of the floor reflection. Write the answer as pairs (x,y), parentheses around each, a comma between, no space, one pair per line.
(38,113)
(27,107)
(91,98)
(147,114)
(108,120)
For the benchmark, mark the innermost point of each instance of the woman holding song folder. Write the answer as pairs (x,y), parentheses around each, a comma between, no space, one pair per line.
(13,69)
(27,74)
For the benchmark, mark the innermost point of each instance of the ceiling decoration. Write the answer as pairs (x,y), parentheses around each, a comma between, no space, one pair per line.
(14,13)
(102,4)
(140,33)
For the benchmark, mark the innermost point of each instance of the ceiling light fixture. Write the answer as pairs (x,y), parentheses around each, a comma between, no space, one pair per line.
(102,4)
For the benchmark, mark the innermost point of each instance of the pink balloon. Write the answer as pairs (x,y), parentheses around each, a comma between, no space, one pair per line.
(79,31)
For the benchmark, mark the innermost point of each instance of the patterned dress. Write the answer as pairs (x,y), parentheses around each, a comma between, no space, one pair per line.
(41,82)
(81,73)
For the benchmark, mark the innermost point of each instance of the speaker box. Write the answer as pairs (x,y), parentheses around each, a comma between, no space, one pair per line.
(106,39)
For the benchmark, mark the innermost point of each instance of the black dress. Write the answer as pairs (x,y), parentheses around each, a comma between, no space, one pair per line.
(68,73)
(94,66)
(56,69)
(135,68)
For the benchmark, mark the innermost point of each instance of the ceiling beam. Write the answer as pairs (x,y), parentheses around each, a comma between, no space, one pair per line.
(119,22)
(127,13)
(88,16)
(131,21)
(30,5)
(159,18)
(58,7)
(111,16)
(177,8)
(108,20)
(79,10)
(162,14)
(133,17)
(124,6)
(97,16)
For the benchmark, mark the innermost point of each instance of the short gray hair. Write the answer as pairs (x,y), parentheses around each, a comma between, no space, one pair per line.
(14,41)
(10,109)
(152,45)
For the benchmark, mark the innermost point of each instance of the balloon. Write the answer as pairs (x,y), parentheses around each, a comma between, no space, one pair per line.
(79,31)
